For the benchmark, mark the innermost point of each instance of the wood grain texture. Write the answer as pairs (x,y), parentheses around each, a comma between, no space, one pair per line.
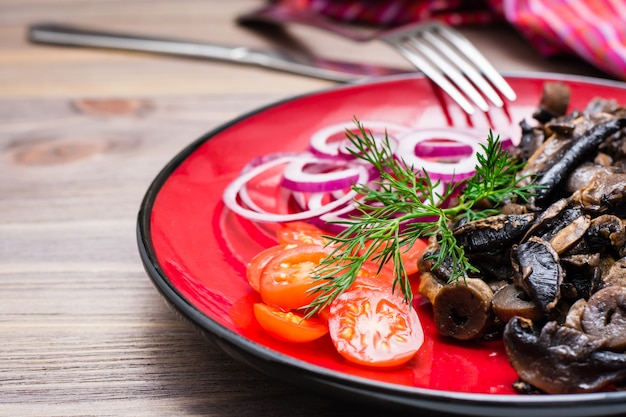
(82,134)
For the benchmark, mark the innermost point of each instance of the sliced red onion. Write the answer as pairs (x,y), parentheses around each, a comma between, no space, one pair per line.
(266,163)
(232,200)
(445,171)
(320,189)
(445,148)
(329,221)
(311,174)
(438,148)
(260,160)
(331,142)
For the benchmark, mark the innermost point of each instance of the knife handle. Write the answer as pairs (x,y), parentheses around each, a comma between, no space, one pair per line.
(58,34)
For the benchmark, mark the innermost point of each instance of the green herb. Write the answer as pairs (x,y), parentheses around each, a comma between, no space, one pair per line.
(403,206)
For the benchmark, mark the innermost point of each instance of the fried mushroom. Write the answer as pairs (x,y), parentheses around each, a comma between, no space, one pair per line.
(605,316)
(510,301)
(538,271)
(462,309)
(560,359)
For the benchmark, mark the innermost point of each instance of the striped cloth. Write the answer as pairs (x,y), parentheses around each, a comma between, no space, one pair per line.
(595,30)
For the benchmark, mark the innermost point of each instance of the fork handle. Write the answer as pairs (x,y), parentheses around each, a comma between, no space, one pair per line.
(73,36)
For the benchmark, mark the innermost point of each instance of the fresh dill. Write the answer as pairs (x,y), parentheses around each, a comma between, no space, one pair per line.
(404,205)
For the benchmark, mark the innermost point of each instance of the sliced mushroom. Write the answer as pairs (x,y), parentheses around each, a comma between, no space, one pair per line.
(603,105)
(569,235)
(545,156)
(550,219)
(428,262)
(584,174)
(605,316)
(559,359)
(429,286)
(538,271)
(606,230)
(462,309)
(493,234)
(616,274)
(604,192)
(552,181)
(583,274)
(554,101)
(532,138)
(574,315)
(510,301)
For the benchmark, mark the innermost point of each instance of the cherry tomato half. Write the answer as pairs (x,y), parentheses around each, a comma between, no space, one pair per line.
(371,326)
(288,326)
(373,270)
(410,256)
(300,232)
(258,262)
(368,276)
(286,281)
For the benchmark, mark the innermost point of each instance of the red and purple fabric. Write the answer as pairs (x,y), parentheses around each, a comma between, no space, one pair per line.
(593,30)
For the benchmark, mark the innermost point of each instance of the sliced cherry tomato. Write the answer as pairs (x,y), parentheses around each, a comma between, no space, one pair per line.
(410,256)
(373,270)
(300,232)
(288,326)
(286,281)
(368,276)
(258,262)
(371,326)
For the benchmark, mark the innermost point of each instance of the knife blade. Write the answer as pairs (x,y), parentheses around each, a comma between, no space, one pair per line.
(288,61)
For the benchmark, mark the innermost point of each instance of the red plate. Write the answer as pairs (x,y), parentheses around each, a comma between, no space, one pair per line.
(195,250)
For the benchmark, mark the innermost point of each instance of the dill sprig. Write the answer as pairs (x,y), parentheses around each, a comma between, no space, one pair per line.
(404,205)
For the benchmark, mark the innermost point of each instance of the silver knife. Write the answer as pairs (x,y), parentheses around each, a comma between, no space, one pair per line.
(302,64)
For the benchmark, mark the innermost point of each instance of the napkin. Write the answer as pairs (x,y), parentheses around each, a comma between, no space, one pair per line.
(594,30)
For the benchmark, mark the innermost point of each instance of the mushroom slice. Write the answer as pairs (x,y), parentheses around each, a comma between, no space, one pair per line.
(552,181)
(462,309)
(552,218)
(584,174)
(538,271)
(583,272)
(493,234)
(559,359)
(532,138)
(569,235)
(510,301)
(616,274)
(575,314)
(605,316)
(555,98)
(606,230)
(605,191)
(430,285)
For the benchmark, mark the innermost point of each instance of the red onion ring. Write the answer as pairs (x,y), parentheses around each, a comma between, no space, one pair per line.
(297,177)
(331,142)
(232,199)
(464,168)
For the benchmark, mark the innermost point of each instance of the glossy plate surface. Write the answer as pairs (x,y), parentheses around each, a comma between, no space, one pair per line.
(195,250)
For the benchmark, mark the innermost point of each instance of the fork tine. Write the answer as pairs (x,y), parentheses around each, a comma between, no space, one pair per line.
(450,71)
(457,58)
(434,75)
(479,60)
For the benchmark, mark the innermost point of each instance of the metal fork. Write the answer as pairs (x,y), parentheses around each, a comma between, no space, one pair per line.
(440,52)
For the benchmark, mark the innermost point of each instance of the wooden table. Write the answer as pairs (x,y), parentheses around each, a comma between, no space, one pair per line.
(82,134)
